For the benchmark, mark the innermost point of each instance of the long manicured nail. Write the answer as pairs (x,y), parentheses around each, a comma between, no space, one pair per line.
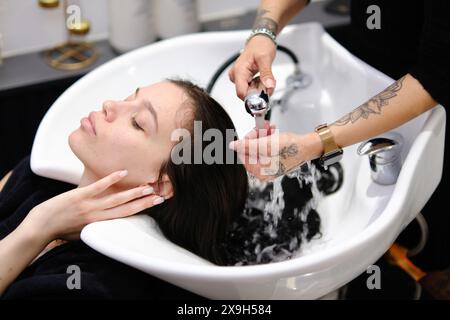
(158,200)
(147,191)
(123,173)
(232,145)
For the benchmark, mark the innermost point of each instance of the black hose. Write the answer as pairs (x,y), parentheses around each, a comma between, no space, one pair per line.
(233,58)
(289,52)
(219,71)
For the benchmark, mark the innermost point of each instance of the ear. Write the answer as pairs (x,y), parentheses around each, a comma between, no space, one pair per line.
(164,187)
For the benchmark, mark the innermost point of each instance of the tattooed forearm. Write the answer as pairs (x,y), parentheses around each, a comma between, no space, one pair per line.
(285,153)
(289,151)
(373,106)
(264,22)
(281,170)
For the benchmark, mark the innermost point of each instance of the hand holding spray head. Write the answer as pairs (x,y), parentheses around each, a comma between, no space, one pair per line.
(257,102)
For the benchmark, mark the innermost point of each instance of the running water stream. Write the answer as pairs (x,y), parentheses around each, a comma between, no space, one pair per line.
(280,217)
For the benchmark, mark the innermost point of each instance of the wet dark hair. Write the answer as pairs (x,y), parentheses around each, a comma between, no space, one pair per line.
(206,197)
(255,238)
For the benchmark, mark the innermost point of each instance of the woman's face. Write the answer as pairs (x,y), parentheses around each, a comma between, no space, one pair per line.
(134,134)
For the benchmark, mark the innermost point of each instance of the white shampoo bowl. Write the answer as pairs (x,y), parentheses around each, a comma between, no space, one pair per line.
(359,222)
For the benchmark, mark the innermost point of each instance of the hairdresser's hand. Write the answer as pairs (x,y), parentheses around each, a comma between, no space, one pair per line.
(64,216)
(258,55)
(274,154)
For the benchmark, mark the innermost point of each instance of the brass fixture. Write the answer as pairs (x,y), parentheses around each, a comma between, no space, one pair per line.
(74,54)
(80,28)
(71,55)
(49,3)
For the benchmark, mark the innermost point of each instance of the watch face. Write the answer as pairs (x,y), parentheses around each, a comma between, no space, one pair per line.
(331,157)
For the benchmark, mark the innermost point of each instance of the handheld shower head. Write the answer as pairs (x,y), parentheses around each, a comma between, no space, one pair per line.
(257,102)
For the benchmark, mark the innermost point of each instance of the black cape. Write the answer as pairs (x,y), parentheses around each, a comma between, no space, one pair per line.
(101,277)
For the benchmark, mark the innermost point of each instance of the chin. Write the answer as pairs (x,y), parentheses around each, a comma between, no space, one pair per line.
(77,143)
(84,150)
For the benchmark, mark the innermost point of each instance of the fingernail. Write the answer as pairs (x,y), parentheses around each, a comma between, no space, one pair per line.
(158,200)
(232,145)
(269,83)
(123,173)
(147,190)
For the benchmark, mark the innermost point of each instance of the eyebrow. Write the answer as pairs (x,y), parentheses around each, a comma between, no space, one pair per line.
(148,105)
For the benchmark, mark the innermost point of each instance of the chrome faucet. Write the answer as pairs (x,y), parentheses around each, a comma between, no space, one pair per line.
(297,80)
(384,157)
(257,101)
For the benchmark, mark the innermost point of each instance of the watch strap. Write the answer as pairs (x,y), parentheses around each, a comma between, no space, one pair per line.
(325,134)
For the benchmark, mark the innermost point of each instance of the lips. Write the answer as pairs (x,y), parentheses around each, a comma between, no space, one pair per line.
(88,124)
(92,120)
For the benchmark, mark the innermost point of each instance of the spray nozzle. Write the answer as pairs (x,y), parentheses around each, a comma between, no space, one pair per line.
(257,102)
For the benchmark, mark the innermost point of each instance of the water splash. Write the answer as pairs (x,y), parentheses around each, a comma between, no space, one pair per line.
(277,236)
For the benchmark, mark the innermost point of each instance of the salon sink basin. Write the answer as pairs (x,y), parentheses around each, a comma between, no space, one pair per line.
(359,222)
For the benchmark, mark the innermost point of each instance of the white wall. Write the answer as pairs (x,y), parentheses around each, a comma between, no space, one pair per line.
(27,27)
(215,9)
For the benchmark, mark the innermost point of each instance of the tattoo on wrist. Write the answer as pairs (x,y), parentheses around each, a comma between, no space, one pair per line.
(265,22)
(289,151)
(373,106)
(286,152)
(281,170)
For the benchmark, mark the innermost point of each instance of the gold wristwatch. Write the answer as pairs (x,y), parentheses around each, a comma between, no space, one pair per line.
(332,152)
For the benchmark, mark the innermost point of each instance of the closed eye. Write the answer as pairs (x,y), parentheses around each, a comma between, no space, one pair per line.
(135,124)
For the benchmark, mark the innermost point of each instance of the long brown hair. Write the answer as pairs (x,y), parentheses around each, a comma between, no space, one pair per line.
(207,197)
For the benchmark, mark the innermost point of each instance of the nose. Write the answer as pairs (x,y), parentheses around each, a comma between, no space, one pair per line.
(112,109)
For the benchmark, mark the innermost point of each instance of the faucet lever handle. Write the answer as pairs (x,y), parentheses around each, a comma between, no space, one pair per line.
(381,148)
(384,157)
